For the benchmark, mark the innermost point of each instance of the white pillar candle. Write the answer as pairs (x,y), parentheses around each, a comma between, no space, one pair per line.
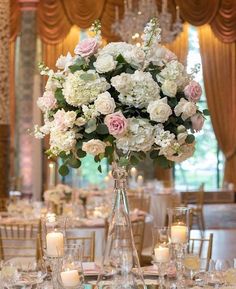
(179,234)
(133,172)
(162,254)
(55,244)
(70,278)
(140,180)
(52,175)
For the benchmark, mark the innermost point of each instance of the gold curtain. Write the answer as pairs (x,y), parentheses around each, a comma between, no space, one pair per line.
(14,19)
(219,70)
(51,52)
(180,45)
(55,17)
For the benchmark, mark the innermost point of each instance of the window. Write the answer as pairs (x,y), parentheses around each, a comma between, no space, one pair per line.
(206,165)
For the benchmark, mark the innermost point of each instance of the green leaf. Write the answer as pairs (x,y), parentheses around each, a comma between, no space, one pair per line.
(81,154)
(79,144)
(100,168)
(102,129)
(59,96)
(109,150)
(74,163)
(154,154)
(63,155)
(75,67)
(87,76)
(134,161)
(91,126)
(206,112)
(163,162)
(123,161)
(120,59)
(63,170)
(190,139)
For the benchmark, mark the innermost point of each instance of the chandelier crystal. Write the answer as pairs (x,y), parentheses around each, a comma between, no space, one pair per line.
(136,16)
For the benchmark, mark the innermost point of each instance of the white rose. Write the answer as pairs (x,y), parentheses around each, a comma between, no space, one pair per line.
(186,108)
(94,147)
(105,63)
(80,121)
(159,110)
(156,55)
(135,56)
(181,137)
(105,104)
(63,62)
(122,83)
(169,88)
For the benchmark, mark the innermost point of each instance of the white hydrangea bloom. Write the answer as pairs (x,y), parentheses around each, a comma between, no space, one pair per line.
(89,111)
(185,108)
(62,141)
(140,136)
(136,89)
(78,91)
(174,71)
(163,138)
(55,80)
(159,110)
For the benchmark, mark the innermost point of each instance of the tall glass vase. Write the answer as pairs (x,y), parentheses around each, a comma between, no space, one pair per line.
(120,268)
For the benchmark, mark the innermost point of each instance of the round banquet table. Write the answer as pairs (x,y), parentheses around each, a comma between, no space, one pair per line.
(159,204)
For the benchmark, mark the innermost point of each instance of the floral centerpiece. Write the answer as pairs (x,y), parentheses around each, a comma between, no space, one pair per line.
(139,100)
(58,194)
(120,102)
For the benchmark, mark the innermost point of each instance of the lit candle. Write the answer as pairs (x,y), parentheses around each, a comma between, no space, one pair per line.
(52,175)
(162,254)
(179,234)
(55,244)
(133,172)
(70,278)
(140,180)
(177,13)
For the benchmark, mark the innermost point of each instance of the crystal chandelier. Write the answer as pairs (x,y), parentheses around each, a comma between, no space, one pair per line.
(135,17)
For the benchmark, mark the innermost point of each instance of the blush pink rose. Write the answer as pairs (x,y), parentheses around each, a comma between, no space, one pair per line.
(116,123)
(87,47)
(197,121)
(47,101)
(169,56)
(193,91)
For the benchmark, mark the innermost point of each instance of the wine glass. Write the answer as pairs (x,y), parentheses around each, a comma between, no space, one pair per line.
(192,263)
(161,251)
(70,271)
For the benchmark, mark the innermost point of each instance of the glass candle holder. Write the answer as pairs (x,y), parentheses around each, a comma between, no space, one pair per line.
(53,242)
(179,231)
(70,271)
(161,252)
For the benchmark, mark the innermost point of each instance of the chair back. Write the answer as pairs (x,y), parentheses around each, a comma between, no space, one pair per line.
(87,244)
(196,197)
(138,234)
(3,204)
(18,240)
(202,247)
(140,202)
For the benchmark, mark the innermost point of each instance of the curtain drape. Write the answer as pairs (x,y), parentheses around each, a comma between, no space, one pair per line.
(219,70)
(55,17)
(51,52)
(14,19)
(180,45)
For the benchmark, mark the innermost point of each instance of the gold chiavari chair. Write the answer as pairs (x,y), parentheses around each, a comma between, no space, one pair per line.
(138,234)
(19,240)
(87,244)
(195,201)
(140,202)
(3,204)
(202,247)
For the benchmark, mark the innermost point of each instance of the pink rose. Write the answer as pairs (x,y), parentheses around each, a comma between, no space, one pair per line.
(197,121)
(116,123)
(169,56)
(193,91)
(47,101)
(87,47)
